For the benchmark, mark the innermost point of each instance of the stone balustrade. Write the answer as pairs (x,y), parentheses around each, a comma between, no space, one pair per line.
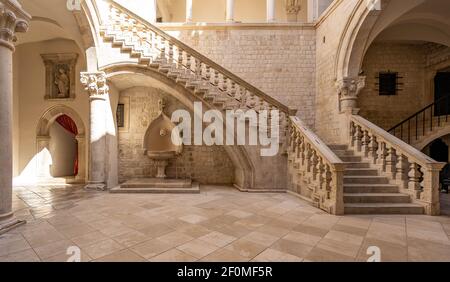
(415,173)
(158,49)
(316,172)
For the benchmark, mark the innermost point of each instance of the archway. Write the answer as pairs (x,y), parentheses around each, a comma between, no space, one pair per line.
(60,146)
(125,76)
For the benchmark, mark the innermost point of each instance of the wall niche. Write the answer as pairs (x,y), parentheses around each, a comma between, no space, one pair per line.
(60,75)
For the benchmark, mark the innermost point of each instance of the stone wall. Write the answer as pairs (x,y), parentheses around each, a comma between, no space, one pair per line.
(409,61)
(206,165)
(416,66)
(280,60)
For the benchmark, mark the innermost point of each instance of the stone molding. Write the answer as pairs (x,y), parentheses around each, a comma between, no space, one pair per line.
(348,90)
(95,84)
(13,19)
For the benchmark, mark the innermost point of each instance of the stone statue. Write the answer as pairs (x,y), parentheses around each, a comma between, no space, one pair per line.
(62,81)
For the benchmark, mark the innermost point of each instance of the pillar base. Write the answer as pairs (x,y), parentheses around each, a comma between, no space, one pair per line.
(9,223)
(95,186)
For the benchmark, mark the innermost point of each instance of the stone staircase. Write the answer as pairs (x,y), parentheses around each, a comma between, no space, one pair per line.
(206,80)
(367,191)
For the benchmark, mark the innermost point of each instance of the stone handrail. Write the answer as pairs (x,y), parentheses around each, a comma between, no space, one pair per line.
(173,50)
(415,173)
(315,170)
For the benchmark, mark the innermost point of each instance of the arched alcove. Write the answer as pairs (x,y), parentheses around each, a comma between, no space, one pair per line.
(51,126)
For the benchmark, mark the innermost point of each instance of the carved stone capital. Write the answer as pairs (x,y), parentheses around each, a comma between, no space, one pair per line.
(292,9)
(348,90)
(13,19)
(95,84)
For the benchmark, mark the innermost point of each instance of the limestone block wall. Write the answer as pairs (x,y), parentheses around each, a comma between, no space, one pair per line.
(280,60)
(409,61)
(416,64)
(206,165)
(328,38)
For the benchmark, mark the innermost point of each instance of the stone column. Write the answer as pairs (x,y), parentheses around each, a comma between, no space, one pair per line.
(188,11)
(292,9)
(95,83)
(153,11)
(270,11)
(348,89)
(230,11)
(12,19)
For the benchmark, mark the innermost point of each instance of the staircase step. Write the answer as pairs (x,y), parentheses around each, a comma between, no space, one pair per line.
(344,153)
(352,165)
(383,209)
(365,180)
(338,147)
(371,198)
(361,172)
(370,188)
(351,159)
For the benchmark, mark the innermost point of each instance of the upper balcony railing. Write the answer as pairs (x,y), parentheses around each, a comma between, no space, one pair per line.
(227,11)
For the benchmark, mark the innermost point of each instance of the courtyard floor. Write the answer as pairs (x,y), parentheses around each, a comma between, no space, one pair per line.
(220,224)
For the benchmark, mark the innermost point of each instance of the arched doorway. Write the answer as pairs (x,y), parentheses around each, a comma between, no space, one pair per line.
(63,147)
(60,147)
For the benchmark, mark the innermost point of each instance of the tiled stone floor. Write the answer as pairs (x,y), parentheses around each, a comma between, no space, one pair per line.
(220,224)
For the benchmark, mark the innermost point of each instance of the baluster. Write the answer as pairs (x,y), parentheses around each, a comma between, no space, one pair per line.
(373,147)
(328,181)
(303,152)
(180,58)
(402,171)
(308,158)
(171,52)
(225,83)
(320,173)
(391,162)
(163,47)
(382,156)
(233,89)
(358,138)
(188,63)
(352,134)
(365,143)
(216,78)
(208,73)
(414,176)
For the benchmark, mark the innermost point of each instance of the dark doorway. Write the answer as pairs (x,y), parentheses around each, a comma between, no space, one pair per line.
(439,151)
(442,93)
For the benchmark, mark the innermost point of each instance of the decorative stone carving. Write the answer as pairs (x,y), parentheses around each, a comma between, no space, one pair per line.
(95,84)
(349,89)
(60,75)
(292,9)
(12,19)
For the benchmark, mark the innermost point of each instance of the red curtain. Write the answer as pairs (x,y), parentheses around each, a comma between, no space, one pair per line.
(68,124)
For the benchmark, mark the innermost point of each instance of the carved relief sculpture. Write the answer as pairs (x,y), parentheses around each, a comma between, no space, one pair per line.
(60,75)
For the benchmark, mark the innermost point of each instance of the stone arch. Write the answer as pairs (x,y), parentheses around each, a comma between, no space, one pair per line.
(361,30)
(239,155)
(431,137)
(43,137)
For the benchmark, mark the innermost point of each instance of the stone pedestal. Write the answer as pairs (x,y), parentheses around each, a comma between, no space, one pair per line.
(12,19)
(95,83)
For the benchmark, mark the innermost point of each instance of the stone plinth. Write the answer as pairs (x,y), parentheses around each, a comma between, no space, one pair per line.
(158,186)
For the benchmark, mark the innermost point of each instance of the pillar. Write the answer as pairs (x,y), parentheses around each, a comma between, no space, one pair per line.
(292,9)
(230,11)
(270,11)
(348,90)
(188,11)
(95,83)
(12,19)
(153,11)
